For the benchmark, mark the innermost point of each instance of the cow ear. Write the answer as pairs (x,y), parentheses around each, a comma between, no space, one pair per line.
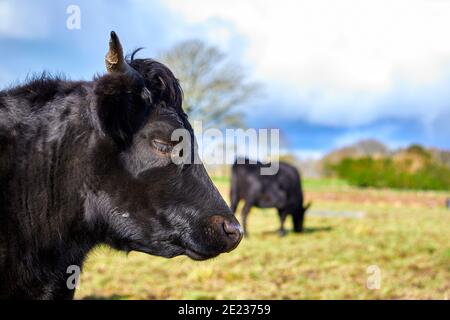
(123,101)
(305,208)
(123,106)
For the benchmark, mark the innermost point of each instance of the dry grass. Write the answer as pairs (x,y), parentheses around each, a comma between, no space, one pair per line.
(410,245)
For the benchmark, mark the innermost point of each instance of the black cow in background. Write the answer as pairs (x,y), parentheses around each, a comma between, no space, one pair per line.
(282,191)
(89,162)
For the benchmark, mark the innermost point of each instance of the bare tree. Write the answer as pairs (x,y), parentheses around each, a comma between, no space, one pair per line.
(213,87)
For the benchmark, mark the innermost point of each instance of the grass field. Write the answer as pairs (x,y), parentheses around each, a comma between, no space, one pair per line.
(405,234)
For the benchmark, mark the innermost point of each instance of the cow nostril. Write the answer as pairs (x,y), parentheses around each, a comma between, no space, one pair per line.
(233,230)
(229,229)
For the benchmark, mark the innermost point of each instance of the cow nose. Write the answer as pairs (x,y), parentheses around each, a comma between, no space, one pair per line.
(234,231)
(231,229)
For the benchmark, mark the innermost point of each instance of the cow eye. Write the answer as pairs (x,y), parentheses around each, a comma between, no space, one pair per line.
(162,146)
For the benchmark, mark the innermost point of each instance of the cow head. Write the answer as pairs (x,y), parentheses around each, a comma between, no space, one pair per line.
(139,199)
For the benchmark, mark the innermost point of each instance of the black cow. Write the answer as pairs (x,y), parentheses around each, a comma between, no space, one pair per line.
(89,162)
(282,191)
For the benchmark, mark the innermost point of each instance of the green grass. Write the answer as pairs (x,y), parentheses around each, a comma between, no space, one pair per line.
(325,184)
(308,183)
(221,180)
(410,245)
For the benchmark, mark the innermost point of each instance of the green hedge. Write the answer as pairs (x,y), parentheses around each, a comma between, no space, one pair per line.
(384,173)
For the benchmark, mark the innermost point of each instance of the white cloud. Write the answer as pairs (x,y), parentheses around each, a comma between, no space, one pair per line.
(339,58)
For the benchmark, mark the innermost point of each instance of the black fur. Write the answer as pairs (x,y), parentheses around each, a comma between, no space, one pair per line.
(121,123)
(282,191)
(79,167)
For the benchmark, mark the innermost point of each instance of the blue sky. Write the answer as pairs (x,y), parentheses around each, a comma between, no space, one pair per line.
(333,72)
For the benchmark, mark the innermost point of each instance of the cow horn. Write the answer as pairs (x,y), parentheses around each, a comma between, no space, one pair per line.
(115,62)
(114,59)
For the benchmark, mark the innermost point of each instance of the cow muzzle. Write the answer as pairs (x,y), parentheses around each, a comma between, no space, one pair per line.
(230,230)
(222,233)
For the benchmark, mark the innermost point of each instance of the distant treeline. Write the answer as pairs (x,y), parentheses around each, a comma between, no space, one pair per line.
(410,168)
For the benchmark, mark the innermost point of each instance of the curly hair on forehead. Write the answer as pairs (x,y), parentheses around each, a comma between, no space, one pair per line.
(162,83)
